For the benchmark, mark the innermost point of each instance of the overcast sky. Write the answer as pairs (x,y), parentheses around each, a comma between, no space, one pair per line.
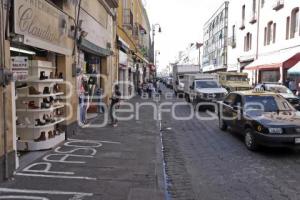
(181,22)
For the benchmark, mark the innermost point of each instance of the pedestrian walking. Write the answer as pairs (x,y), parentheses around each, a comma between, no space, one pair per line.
(115,104)
(82,91)
(99,93)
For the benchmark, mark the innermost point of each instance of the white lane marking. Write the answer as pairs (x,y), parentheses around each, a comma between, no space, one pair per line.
(56,176)
(53,192)
(46,170)
(23,197)
(109,142)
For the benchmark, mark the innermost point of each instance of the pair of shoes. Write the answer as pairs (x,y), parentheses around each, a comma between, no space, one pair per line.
(42,137)
(43,76)
(33,91)
(48,119)
(115,125)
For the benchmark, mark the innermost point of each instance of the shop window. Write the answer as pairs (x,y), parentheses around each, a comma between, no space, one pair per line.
(270,33)
(253,6)
(287,28)
(243,14)
(248,42)
(294,22)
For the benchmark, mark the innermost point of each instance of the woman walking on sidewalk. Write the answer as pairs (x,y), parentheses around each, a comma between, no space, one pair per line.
(115,103)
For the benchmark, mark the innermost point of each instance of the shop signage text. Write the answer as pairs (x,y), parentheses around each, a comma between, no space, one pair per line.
(40,21)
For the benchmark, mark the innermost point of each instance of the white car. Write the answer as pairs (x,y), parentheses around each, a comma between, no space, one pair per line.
(283,91)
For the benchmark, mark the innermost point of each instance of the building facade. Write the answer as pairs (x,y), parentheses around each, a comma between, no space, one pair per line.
(45,53)
(266,42)
(133,32)
(215,34)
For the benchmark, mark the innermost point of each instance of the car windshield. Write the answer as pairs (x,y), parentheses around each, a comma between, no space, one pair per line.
(263,103)
(207,84)
(236,78)
(280,89)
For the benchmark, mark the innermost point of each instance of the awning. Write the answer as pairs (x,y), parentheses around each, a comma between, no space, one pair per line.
(285,59)
(295,70)
(140,56)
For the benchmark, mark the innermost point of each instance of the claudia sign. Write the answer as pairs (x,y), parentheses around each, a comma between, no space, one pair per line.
(42,25)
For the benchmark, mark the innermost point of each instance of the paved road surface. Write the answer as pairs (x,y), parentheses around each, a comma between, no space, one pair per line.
(205,163)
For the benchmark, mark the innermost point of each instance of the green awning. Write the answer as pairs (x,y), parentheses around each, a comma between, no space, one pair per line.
(93,49)
(295,70)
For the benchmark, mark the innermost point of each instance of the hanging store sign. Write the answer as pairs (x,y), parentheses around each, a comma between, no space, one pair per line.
(19,66)
(123,59)
(42,25)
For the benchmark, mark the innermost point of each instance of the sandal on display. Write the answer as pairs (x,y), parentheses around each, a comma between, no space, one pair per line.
(42,137)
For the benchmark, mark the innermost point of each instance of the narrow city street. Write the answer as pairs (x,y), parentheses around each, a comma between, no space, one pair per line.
(203,162)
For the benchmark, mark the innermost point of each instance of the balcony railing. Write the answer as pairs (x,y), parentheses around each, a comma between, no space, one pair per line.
(127,18)
(278,4)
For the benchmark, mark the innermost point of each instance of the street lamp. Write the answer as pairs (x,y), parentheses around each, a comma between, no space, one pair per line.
(157,52)
(153,38)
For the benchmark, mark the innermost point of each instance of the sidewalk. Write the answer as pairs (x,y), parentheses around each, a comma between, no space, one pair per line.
(123,163)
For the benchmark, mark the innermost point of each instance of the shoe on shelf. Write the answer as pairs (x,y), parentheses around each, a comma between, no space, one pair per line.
(51,75)
(56,88)
(61,76)
(39,123)
(46,90)
(33,91)
(45,105)
(43,76)
(31,105)
(50,135)
(45,100)
(23,85)
(42,137)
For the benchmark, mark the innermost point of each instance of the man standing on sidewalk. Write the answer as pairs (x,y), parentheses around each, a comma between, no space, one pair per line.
(115,103)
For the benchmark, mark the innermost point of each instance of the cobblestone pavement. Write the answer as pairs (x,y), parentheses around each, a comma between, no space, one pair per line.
(205,163)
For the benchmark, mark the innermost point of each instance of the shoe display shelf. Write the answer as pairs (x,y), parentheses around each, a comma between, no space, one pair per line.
(39,107)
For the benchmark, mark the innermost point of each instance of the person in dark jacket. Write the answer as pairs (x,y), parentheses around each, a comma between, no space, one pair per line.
(115,101)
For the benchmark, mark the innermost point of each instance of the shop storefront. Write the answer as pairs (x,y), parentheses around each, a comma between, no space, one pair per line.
(39,52)
(95,53)
(274,67)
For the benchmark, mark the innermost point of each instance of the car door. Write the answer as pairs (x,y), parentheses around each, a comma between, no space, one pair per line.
(237,112)
(227,110)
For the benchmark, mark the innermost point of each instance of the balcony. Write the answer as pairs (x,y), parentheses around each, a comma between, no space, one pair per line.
(278,5)
(135,32)
(253,18)
(127,18)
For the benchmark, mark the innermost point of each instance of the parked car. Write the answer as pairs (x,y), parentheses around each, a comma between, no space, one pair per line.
(203,88)
(263,118)
(233,81)
(283,91)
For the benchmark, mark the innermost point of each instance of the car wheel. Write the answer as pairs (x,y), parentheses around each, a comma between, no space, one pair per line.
(250,141)
(222,125)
